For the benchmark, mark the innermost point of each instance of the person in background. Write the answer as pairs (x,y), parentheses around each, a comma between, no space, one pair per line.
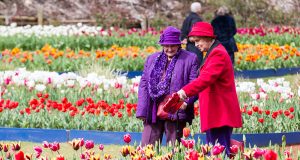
(225,29)
(215,86)
(164,73)
(189,21)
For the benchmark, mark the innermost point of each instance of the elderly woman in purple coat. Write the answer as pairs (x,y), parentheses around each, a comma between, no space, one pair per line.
(166,72)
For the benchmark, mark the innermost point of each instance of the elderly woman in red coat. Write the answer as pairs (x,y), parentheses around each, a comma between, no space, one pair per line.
(215,86)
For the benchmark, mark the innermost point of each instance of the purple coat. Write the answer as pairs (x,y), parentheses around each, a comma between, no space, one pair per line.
(186,69)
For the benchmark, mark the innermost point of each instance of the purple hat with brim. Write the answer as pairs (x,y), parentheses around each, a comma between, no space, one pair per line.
(170,36)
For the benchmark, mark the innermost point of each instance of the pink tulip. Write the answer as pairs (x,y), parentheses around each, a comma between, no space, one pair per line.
(81,143)
(127,138)
(234,149)
(16,146)
(192,155)
(89,144)
(8,155)
(7,81)
(5,147)
(188,143)
(101,147)
(217,149)
(258,153)
(38,150)
(54,146)
(287,153)
(45,144)
(82,156)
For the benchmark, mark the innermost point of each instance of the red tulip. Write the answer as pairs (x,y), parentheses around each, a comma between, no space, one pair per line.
(249,112)
(186,132)
(270,155)
(39,94)
(60,157)
(267,112)
(19,156)
(286,112)
(261,120)
(46,95)
(127,138)
(255,108)
(291,109)
(274,115)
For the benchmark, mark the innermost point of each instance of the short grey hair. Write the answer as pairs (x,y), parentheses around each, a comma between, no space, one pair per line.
(196,7)
(222,11)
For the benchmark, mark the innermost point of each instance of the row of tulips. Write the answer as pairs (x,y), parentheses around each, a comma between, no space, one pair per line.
(121,58)
(188,149)
(52,59)
(263,30)
(91,38)
(49,100)
(80,29)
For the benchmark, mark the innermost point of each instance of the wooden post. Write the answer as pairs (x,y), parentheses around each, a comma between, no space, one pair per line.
(40,15)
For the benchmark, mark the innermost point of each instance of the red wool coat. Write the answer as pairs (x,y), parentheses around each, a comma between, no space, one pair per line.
(215,85)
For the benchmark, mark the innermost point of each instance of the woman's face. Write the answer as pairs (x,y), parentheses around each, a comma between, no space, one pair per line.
(171,50)
(202,43)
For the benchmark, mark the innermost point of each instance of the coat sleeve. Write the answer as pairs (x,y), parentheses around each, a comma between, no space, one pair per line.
(193,75)
(184,29)
(208,75)
(143,95)
(233,29)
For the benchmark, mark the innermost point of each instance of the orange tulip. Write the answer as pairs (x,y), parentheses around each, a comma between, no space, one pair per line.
(186,132)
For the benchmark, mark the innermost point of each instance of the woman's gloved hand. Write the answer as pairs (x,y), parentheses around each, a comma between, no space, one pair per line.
(182,95)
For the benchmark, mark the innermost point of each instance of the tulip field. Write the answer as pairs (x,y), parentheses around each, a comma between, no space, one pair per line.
(188,149)
(69,77)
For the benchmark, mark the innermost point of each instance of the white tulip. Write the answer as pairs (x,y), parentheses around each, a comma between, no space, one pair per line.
(40,87)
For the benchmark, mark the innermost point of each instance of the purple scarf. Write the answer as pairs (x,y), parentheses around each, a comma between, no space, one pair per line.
(158,86)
